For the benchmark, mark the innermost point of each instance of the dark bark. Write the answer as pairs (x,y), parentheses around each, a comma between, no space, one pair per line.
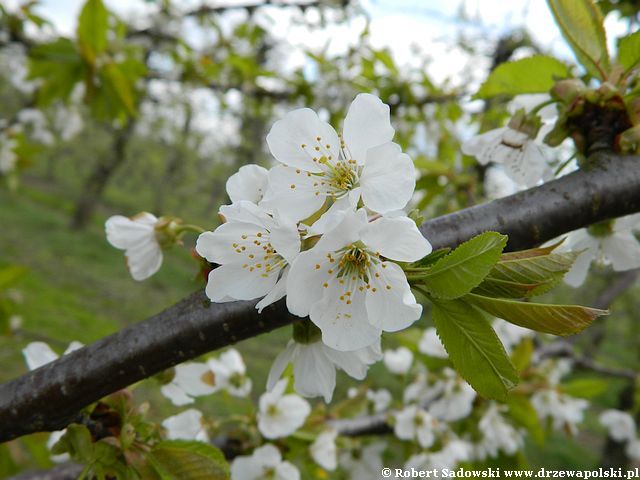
(50,397)
(100,176)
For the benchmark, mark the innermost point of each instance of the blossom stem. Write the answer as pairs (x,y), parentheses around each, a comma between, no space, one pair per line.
(187,227)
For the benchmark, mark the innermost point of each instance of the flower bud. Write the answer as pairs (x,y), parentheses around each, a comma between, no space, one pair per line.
(567,90)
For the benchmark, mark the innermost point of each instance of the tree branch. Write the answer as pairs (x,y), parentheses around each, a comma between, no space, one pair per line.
(50,397)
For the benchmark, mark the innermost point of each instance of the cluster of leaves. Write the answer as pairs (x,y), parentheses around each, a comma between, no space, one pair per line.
(477,279)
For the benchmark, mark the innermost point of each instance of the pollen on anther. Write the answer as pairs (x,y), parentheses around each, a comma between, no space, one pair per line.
(377,275)
(258,234)
(388,287)
(303,145)
(297,171)
(317,266)
(374,289)
(317,149)
(318,139)
(293,186)
(325,284)
(251,255)
(330,271)
(244,237)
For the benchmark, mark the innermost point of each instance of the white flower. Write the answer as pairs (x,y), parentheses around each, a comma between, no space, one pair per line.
(414,423)
(280,415)
(348,290)
(186,425)
(422,390)
(230,373)
(8,158)
(456,399)
(37,354)
(319,165)
(431,345)
(633,450)
(323,450)
(564,411)
(315,364)
(137,237)
(52,440)
(249,183)
(509,334)
(621,426)
(363,464)
(189,380)
(398,361)
(524,159)
(497,434)
(617,247)
(254,251)
(380,399)
(454,452)
(497,184)
(265,462)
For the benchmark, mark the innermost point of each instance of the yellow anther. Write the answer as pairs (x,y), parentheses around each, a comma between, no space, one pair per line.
(293,186)
(325,284)
(317,266)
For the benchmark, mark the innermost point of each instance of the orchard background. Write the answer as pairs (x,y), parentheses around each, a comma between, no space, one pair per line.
(122,107)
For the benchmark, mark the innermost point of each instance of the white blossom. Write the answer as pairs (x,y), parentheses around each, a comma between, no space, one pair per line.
(422,389)
(265,462)
(398,361)
(618,248)
(137,237)
(414,423)
(456,398)
(620,425)
(254,250)
(318,164)
(497,434)
(453,452)
(380,399)
(365,463)
(37,354)
(190,380)
(280,415)
(564,411)
(8,158)
(524,158)
(52,440)
(633,450)
(324,451)
(249,183)
(510,335)
(431,345)
(187,425)
(315,364)
(348,290)
(230,373)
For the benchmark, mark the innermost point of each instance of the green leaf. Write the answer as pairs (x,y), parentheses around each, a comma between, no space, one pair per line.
(536,74)
(93,25)
(474,348)
(523,413)
(582,26)
(532,252)
(59,67)
(585,387)
(188,460)
(432,258)
(532,275)
(629,51)
(115,80)
(521,355)
(462,270)
(555,319)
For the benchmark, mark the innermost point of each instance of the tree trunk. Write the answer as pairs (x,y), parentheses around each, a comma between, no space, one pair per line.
(98,179)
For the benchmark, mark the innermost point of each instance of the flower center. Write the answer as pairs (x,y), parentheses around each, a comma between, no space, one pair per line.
(260,254)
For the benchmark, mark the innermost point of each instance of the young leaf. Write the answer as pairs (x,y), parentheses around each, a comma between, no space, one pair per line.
(462,270)
(532,252)
(555,319)
(535,74)
(188,460)
(494,287)
(629,51)
(93,25)
(585,387)
(541,273)
(582,26)
(474,348)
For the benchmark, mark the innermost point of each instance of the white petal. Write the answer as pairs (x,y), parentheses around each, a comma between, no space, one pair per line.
(396,238)
(323,450)
(367,125)
(388,178)
(73,346)
(302,127)
(287,471)
(278,291)
(527,167)
(240,283)
(314,373)
(185,426)
(431,345)
(293,193)
(218,246)
(353,363)
(233,361)
(296,408)
(398,361)
(332,217)
(123,232)
(37,354)
(305,280)
(285,240)
(345,327)
(144,259)
(248,183)
(246,212)
(177,396)
(622,249)
(346,232)
(279,364)
(392,306)
(578,273)
(481,146)
(189,377)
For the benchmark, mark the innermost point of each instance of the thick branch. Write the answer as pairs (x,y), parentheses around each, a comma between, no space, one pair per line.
(50,397)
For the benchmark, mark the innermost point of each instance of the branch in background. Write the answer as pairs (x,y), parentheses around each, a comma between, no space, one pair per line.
(51,397)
